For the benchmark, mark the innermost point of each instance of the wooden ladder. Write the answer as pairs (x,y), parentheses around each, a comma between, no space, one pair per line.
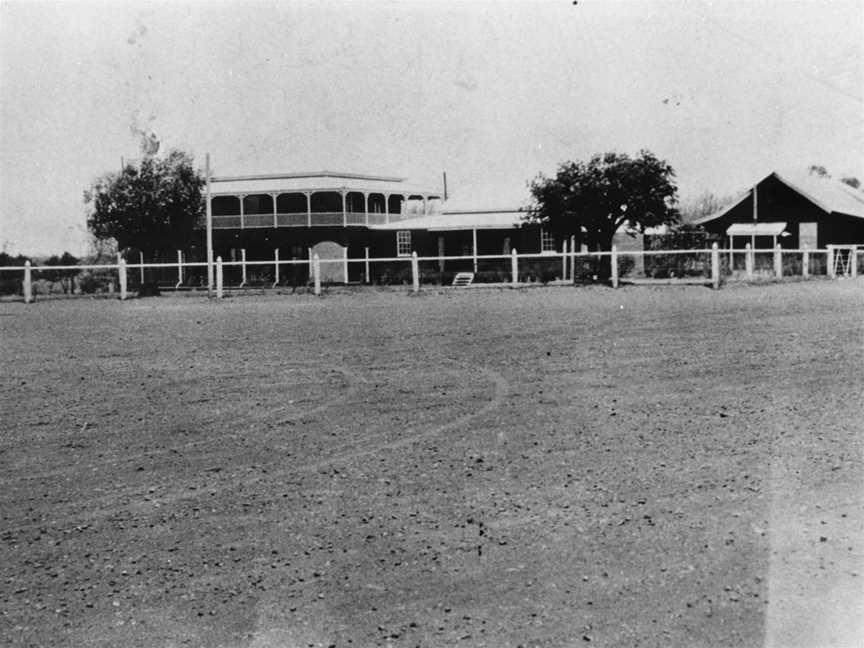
(463,279)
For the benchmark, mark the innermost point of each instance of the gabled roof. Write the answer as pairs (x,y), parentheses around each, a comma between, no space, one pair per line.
(830,195)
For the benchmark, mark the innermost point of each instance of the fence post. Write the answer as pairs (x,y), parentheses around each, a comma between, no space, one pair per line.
(121,271)
(830,262)
(715,266)
(778,262)
(219,277)
(853,262)
(613,258)
(366,265)
(749,259)
(316,274)
(141,261)
(564,261)
(415,273)
(242,267)
(805,262)
(345,262)
(514,267)
(276,274)
(573,259)
(179,268)
(28,283)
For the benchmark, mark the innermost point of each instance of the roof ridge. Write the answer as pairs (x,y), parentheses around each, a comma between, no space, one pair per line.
(307,174)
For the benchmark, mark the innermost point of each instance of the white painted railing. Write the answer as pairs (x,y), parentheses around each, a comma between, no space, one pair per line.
(706,266)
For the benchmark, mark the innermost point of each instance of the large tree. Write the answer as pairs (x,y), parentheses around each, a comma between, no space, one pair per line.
(151,206)
(593,199)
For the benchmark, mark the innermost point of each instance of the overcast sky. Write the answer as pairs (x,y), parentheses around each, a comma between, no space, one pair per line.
(491,93)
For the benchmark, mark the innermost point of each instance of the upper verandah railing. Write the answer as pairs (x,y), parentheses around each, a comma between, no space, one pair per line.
(306,219)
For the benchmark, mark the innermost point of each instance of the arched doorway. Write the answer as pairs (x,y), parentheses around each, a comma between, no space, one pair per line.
(332,257)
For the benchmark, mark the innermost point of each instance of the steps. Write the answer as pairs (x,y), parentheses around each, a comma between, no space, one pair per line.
(463,279)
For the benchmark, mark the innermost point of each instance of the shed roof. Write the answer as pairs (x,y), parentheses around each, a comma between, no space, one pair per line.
(828,194)
(755,229)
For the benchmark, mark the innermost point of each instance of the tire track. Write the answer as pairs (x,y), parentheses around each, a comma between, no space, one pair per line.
(351,382)
(345,455)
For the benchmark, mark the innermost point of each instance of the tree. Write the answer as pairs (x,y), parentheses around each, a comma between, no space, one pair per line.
(705,204)
(822,172)
(593,199)
(154,205)
(65,277)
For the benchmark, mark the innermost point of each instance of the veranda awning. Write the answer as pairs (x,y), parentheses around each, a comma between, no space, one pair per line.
(755,229)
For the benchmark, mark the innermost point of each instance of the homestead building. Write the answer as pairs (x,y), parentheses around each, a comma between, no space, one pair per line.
(349,216)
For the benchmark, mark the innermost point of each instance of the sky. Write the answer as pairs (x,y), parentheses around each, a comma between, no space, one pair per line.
(491,93)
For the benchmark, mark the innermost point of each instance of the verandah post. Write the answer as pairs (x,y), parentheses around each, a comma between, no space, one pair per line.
(805,261)
(121,271)
(778,262)
(415,273)
(613,258)
(514,266)
(749,255)
(715,266)
(474,247)
(219,277)
(28,283)
(316,274)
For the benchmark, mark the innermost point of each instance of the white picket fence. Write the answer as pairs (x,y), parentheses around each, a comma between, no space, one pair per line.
(714,264)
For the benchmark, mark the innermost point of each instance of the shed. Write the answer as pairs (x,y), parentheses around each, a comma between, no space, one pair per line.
(815,211)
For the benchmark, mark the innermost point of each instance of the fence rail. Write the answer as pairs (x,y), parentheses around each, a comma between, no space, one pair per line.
(702,266)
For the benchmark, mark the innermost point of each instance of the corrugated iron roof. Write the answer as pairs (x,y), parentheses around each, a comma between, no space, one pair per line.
(828,194)
(314,181)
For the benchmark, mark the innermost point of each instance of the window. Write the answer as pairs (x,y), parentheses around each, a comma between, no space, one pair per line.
(547,241)
(403,243)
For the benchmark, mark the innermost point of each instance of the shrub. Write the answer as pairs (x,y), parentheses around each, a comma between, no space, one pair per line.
(95,281)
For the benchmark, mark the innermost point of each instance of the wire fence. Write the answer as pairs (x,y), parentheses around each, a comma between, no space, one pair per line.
(711,267)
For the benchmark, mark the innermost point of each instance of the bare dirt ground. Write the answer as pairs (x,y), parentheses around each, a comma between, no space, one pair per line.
(491,467)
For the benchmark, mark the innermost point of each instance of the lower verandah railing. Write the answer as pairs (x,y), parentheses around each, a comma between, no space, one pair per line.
(706,266)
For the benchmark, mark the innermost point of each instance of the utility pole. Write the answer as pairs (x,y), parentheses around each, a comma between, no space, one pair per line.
(209,230)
